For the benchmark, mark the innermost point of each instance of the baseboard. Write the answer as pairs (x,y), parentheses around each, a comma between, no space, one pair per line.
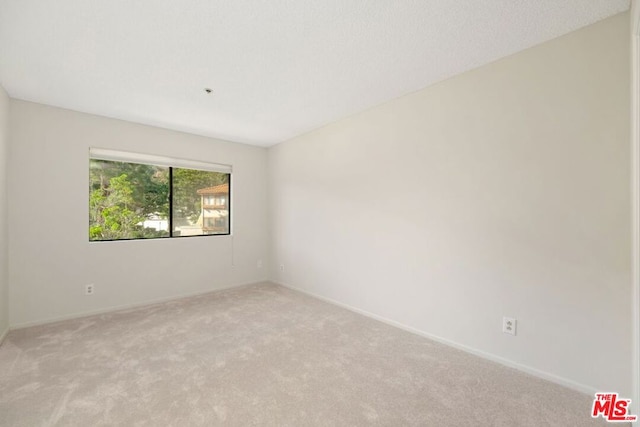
(492,357)
(127,306)
(3,335)
(520,367)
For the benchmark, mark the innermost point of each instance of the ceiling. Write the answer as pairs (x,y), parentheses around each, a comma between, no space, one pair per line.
(277,68)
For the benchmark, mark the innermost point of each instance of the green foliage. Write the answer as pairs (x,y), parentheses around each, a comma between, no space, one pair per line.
(149,184)
(122,196)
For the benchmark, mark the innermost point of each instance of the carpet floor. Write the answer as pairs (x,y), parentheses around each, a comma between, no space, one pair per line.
(261,355)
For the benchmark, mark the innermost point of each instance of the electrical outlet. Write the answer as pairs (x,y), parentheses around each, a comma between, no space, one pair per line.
(88,289)
(509,325)
(281,267)
(259,263)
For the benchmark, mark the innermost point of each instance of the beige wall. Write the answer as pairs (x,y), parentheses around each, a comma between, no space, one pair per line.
(4,144)
(500,192)
(51,258)
(635,179)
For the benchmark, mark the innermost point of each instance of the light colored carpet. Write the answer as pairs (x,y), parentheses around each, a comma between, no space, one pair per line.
(261,355)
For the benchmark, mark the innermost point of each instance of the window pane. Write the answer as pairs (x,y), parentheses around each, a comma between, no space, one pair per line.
(200,202)
(127,200)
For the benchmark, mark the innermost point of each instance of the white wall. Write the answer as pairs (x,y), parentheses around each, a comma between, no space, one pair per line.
(502,191)
(51,258)
(635,179)
(4,143)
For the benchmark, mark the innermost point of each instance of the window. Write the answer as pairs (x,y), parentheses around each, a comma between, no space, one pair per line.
(153,197)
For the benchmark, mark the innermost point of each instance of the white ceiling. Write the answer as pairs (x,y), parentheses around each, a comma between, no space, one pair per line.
(277,68)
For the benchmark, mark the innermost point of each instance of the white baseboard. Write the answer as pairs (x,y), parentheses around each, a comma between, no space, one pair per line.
(127,306)
(520,367)
(492,357)
(3,335)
